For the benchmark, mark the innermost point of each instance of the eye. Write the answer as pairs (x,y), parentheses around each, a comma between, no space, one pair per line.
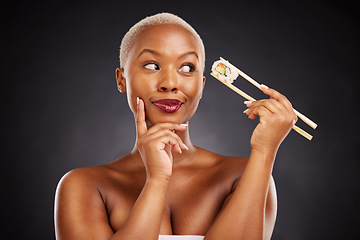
(187,68)
(152,66)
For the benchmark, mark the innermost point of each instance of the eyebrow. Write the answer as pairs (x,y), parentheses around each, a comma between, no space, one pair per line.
(149,51)
(145,50)
(190,53)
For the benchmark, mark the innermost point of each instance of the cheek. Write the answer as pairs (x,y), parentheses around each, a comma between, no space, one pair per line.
(137,87)
(130,98)
(193,92)
(193,89)
(133,92)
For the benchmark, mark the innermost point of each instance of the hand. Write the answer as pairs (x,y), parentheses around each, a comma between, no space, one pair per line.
(276,120)
(157,143)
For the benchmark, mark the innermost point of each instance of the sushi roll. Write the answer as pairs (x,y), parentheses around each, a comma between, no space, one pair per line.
(224,71)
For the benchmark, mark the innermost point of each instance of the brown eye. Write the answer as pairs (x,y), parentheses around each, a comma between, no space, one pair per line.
(152,66)
(187,68)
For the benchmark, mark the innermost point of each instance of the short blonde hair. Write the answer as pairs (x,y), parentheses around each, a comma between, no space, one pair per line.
(157,19)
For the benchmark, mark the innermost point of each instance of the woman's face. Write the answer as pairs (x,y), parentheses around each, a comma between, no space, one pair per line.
(165,69)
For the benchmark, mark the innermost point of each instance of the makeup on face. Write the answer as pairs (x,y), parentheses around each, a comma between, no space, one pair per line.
(168,105)
(165,69)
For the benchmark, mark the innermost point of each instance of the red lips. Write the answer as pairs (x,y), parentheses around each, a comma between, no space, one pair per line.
(168,105)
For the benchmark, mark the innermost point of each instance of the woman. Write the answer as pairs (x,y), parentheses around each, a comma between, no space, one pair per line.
(166,185)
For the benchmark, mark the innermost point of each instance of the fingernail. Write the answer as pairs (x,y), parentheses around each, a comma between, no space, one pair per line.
(246,111)
(185,146)
(184,124)
(247,102)
(137,100)
(263,86)
(180,150)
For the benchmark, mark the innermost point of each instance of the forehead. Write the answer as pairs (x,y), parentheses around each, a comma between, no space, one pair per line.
(167,38)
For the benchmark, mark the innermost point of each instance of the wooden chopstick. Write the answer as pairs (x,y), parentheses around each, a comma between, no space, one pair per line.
(256,84)
(246,96)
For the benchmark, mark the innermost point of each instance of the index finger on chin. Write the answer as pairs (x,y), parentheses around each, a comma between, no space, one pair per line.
(141,127)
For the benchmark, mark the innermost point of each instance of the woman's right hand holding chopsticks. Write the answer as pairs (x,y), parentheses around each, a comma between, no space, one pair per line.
(277,117)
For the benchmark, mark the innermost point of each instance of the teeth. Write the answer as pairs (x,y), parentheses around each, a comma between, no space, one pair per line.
(170,107)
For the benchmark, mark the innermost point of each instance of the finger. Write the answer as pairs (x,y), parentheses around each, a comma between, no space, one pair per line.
(260,111)
(167,134)
(276,95)
(141,127)
(167,126)
(283,100)
(271,104)
(168,140)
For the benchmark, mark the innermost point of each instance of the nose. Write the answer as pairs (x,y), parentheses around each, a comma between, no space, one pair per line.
(168,82)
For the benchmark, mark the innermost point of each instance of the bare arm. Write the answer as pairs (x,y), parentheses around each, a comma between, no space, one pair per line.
(250,211)
(80,212)
(79,209)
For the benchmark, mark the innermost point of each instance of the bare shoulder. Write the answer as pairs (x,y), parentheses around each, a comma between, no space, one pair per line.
(81,185)
(95,177)
(229,164)
(79,205)
(222,171)
(80,178)
(81,200)
(232,166)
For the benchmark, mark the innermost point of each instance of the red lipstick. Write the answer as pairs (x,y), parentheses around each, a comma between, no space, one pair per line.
(168,105)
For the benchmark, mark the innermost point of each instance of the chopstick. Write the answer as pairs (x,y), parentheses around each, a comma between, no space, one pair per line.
(246,96)
(256,84)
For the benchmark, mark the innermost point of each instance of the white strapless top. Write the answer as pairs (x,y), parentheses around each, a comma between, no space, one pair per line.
(181,237)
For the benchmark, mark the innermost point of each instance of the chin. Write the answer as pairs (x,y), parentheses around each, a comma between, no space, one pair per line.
(165,118)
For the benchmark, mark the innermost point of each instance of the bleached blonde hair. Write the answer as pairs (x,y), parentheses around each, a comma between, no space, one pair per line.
(157,19)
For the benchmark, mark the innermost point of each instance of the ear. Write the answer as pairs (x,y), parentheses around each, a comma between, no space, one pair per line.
(204,80)
(120,80)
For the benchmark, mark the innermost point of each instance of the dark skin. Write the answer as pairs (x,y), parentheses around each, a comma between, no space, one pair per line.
(166,185)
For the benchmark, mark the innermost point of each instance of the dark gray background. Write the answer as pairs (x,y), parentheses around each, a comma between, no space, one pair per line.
(62,109)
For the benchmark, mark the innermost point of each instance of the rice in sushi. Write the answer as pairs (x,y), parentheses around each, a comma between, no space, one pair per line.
(224,71)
